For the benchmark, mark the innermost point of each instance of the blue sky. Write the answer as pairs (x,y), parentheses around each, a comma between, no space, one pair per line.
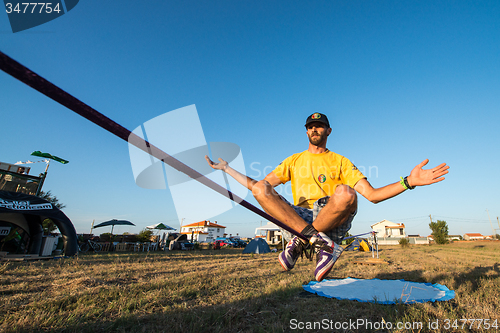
(400,82)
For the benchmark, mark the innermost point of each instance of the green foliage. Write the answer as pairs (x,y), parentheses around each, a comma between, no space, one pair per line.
(48,226)
(145,235)
(52,199)
(404,242)
(348,241)
(439,231)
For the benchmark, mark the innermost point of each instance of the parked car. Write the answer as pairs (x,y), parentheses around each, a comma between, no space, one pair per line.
(181,243)
(238,242)
(228,243)
(218,244)
(221,241)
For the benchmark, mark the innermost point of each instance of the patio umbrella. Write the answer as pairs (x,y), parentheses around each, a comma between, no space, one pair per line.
(112,223)
(160,226)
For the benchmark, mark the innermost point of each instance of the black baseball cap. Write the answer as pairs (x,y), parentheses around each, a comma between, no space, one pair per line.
(318,117)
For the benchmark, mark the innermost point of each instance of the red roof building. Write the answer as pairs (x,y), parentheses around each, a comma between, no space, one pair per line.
(473,236)
(204,231)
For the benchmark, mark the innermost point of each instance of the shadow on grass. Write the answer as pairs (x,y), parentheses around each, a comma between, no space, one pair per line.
(414,276)
(271,301)
(474,276)
(286,310)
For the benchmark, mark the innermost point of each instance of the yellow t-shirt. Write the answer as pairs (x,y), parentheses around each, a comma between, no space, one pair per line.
(314,176)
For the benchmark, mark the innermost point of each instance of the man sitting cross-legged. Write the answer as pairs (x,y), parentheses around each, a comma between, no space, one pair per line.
(324,186)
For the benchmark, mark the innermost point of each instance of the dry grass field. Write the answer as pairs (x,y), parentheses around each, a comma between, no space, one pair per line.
(226,291)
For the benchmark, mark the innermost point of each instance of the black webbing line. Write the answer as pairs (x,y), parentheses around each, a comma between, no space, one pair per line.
(23,74)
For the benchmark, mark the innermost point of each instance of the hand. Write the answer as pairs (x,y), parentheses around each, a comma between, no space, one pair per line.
(222,165)
(420,177)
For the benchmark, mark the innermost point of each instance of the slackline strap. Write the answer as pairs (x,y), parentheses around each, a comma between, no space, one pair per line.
(23,74)
(366,233)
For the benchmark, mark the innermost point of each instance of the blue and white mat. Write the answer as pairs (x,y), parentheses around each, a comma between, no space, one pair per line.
(380,291)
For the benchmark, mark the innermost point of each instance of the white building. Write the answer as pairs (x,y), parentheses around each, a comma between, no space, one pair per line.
(473,236)
(389,233)
(204,231)
(387,229)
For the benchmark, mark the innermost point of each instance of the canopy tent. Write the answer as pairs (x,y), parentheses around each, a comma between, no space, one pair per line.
(380,291)
(161,242)
(257,245)
(27,212)
(160,226)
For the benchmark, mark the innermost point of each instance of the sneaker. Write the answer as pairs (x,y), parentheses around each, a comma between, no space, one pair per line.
(327,253)
(293,250)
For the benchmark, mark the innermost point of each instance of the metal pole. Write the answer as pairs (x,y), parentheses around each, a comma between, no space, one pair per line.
(47,166)
(373,245)
(44,175)
(42,178)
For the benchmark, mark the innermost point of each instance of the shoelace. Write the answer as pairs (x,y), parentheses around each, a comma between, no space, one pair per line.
(310,249)
(301,248)
(317,246)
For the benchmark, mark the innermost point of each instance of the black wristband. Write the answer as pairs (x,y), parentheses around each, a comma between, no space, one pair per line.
(407,184)
(309,231)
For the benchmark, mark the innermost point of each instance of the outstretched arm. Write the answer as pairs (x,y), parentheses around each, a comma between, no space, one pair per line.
(417,177)
(239,177)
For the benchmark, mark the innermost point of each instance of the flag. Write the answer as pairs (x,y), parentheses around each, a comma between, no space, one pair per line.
(47,155)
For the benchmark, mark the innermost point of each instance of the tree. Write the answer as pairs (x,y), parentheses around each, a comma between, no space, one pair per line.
(145,235)
(52,199)
(350,240)
(439,231)
(48,225)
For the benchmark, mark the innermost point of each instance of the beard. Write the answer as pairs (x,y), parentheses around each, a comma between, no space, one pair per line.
(317,139)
